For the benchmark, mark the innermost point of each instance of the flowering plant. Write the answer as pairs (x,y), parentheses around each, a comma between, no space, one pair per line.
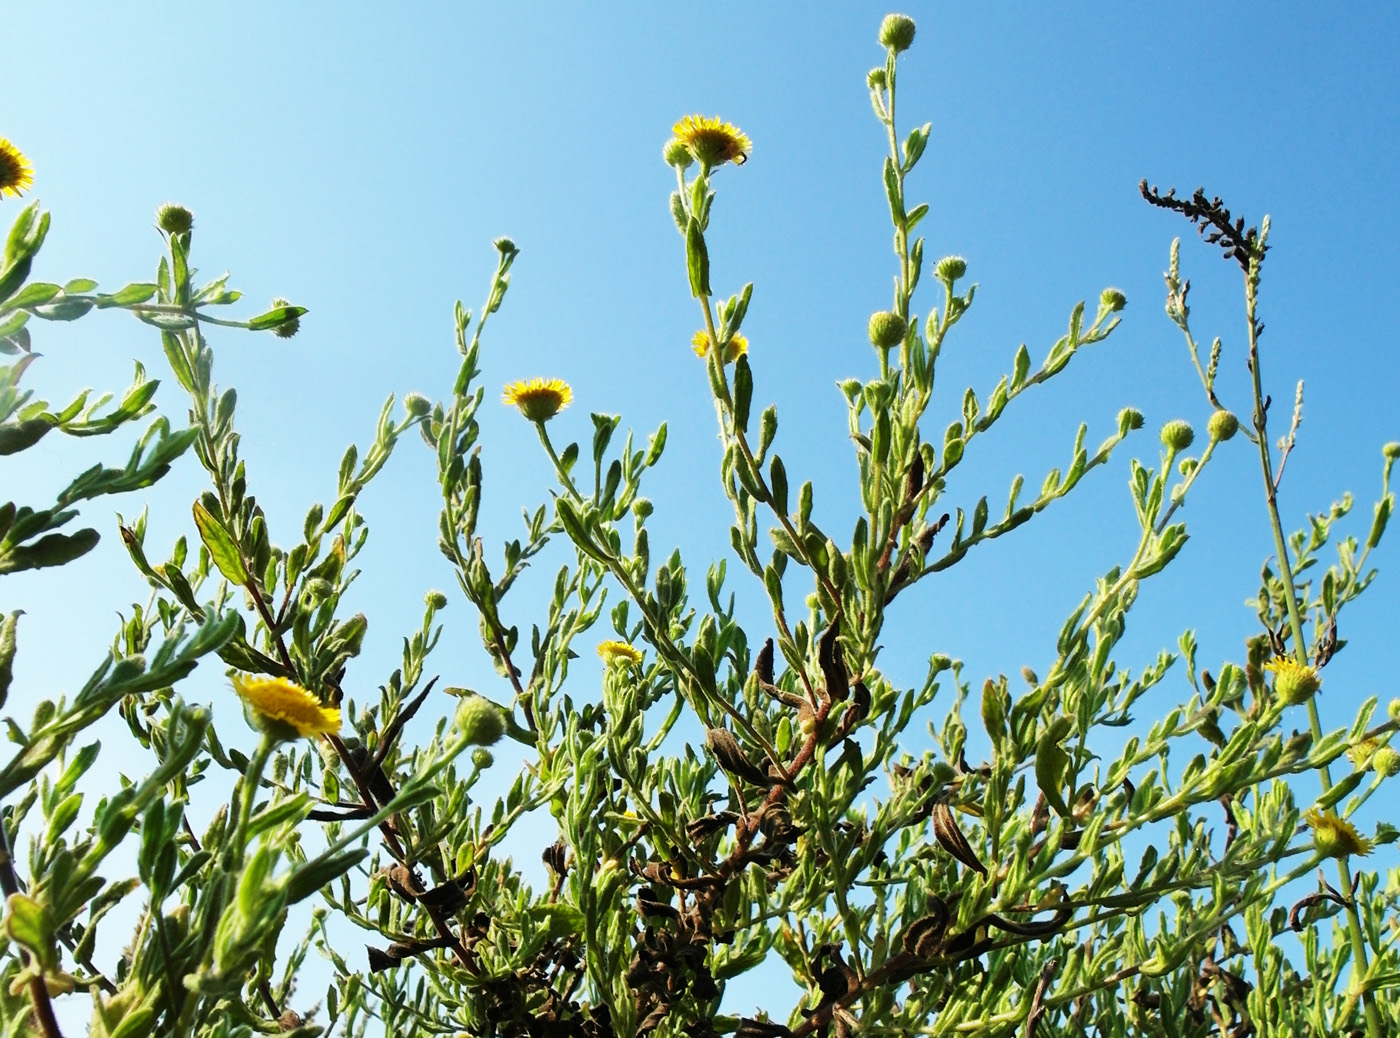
(724,800)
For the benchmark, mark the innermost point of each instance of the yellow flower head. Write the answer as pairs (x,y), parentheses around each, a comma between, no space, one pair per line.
(282,708)
(1293,681)
(1335,837)
(1362,752)
(734,348)
(619,652)
(539,399)
(16,174)
(713,142)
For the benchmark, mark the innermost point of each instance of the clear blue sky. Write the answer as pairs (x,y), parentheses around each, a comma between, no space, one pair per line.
(360,160)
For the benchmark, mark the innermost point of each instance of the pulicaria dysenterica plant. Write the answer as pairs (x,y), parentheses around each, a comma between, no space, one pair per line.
(720,799)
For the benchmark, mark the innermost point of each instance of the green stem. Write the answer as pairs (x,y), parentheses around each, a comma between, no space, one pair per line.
(1375,1027)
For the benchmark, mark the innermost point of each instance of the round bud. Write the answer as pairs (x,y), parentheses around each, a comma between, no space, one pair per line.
(1112,300)
(435,600)
(1177,435)
(482,759)
(1393,709)
(317,589)
(875,79)
(677,154)
(949,269)
(897,32)
(480,721)
(1187,466)
(174,219)
(1222,426)
(417,404)
(887,329)
(289,327)
(1391,450)
(1130,417)
(642,507)
(1386,761)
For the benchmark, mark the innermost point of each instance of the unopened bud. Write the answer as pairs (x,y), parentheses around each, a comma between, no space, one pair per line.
(897,32)
(875,79)
(1222,426)
(1112,300)
(174,219)
(482,759)
(677,154)
(417,404)
(1386,761)
(949,269)
(435,600)
(480,721)
(887,329)
(1177,436)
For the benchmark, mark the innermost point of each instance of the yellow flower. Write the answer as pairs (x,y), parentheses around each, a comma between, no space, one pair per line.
(1335,837)
(1293,681)
(282,708)
(712,141)
(734,348)
(619,652)
(16,174)
(539,399)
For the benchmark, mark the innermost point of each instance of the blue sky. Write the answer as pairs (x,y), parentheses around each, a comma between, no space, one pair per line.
(360,160)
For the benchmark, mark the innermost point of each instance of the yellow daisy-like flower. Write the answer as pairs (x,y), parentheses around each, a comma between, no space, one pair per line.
(16,174)
(620,652)
(282,708)
(735,348)
(539,399)
(1293,681)
(713,142)
(1335,837)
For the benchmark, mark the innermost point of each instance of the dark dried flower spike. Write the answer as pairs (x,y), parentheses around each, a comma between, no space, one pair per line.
(1213,221)
(950,837)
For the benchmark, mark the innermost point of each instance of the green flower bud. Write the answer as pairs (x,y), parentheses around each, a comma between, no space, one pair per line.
(1112,300)
(1294,682)
(1177,436)
(949,269)
(174,219)
(1130,418)
(897,32)
(677,154)
(482,758)
(480,721)
(887,329)
(875,79)
(317,589)
(1222,426)
(1386,761)
(435,600)
(642,507)
(286,329)
(1393,709)
(1391,450)
(417,404)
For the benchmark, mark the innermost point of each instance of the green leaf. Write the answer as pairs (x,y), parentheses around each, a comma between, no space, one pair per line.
(18,436)
(36,294)
(316,873)
(275,317)
(7,652)
(1050,763)
(79,285)
(697,259)
(220,543)
(28,923)
(57,549)
(129,295)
